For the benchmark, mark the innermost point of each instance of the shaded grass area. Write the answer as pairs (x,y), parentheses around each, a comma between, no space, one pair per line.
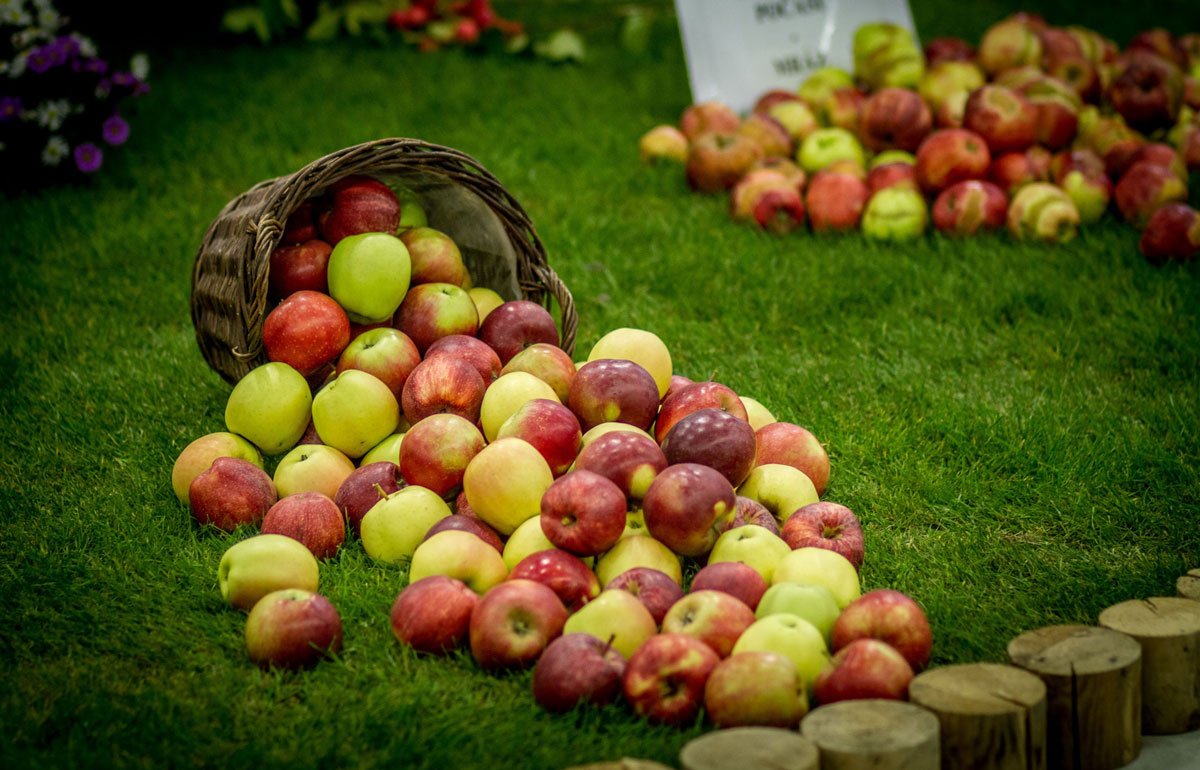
(1015,424)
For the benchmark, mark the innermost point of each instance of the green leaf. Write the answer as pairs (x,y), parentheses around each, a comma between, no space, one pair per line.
(561,46)
(290,11)
(326,25)
(635,31)
(247,19)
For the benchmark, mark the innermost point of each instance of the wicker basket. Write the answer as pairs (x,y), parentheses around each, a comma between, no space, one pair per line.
(497,240)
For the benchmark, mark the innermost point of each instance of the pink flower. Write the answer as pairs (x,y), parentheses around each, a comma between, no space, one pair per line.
(88,157)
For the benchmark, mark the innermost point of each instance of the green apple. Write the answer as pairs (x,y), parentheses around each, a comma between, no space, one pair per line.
(198,456)
(826,146)
(638,551)
(892,156)
(526,539)
(397,524)
(820,566)
(354,412)
(412,211)
(641,347)
(792,637)
(504,483)
(615,616)
(461,555)
(782,489)
(369,275)
(757,414)
(256,566)
(754,546)
(386,450)
(269,407)
(822,82)
(812,602)
(895,213)
(508,393)
(312,468)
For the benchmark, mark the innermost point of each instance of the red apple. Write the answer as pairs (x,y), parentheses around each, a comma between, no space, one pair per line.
(769,200)
(889,616)
(1144,188)
(306,331)
(951,155)
(583,513)
(630,460)
(467,523)
(750,511)
(967,207)
(435,257)
(364,487)
(1172,233)
(714,617)
(773,139)
(550,427)
(516,325)
(947,49)
(301,225)
(442,384)
(664,679)
(613,390)
(655,589)
(435,452)
(825,525)
(843,108)
(358,204)
(549,363)
(894,119)
(1011,171)
(387,353)
(470,349)
(1147,90)
(789,444)
(292,628)
(755,689)
(835,201)
(683,506)
(431,311)
(1002,116)
(717,160)
(865,668)
(311,518)
(299,267)
(714,438)
(433,615)
(739,580)
(774,96)
(1162,154)
(707,117)
(513,622)
(886,175)
(571,580)
(577,668)
(232,492)
(682,401)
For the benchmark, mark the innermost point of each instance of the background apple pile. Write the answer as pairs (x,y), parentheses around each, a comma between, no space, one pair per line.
(627,530)
(1039,129)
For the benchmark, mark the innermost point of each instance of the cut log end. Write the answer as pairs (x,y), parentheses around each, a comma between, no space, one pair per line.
(877,734)
(750,748)
(1188,586)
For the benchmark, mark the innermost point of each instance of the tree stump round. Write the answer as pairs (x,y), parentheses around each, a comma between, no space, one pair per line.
(875,734)
(750,748)
(1188,586)
(624,763)
(1168,629)
(992,716)
(1093,679)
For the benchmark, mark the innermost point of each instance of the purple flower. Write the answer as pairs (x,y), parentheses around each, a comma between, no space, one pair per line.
(98,66)
(10,107)
(115,130)
(41,59)
(88,157)
(124,79)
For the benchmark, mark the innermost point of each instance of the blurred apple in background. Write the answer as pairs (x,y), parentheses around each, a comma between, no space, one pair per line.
(655,589)
(835,201)
(254,567)
(714,617)
(718,159)
(460,555)
(270,407)
(198,456)
(574,669)
(312,468)
(292,628)
(889,616)
(663,143)
(755,689)
(355,412)
(571,580)
(664,679)
(826,525)
(513,622)
(614,617)
(397,524)
(968,207)
(708,116)
(1172,232)
(865,668)
(433,614)
(367,485)
(230,494)
(436,451)
(312,519)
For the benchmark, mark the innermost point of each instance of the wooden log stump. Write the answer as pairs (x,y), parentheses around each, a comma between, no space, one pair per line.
(992,716)
(1168,629)
(875,734)
(1188,586)
(750,748)
(624,763)
(1093,679)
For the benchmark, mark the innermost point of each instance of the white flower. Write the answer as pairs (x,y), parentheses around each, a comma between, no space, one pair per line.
(49,19)
(56,149)
(17,69)
(51,114)
(139,66)
(42,5)
(26,37)
(87,48)
(13,12)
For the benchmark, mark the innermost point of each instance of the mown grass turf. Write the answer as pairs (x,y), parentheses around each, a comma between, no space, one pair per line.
(1016,424)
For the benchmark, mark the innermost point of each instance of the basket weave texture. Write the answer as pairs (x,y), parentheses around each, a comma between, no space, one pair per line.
(499,244)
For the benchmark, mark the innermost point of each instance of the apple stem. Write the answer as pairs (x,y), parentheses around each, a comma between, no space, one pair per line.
(608,645)
(382,492)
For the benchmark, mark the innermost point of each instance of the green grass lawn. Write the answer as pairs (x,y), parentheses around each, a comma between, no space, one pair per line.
(1016,424)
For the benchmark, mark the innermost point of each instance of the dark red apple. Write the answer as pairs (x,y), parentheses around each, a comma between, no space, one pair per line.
(358,204)
(825,525)
(550,427)
(1172,233)
(690,398)
(734,578)
(299,267)
(470,349)
(571,580)
(750,512)
(1002,116)
(442,384)
(574,669)
(515,325)
(433,615)
(655,589)
(311,518)
(467,523)
(583,513)
(364,487)
(613,390)
(683,506)
(714,438)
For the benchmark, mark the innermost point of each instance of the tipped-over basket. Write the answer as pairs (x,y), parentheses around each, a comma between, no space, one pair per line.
(460,197)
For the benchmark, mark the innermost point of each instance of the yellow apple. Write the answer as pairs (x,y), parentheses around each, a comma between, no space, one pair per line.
(504,483)
(615,616)
(757,414)
(753,546)
(506,395)
(460,555)
(822,567)
(312,468)
(638,551)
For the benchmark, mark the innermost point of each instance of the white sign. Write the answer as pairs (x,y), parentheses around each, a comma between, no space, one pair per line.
(737,49)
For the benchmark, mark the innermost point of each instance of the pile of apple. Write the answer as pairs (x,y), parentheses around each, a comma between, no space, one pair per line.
(436,23)
(550,513)
(1040,129)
